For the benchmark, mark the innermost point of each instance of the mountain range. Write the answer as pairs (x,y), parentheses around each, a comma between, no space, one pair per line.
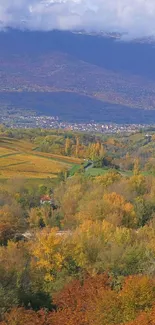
(78,76)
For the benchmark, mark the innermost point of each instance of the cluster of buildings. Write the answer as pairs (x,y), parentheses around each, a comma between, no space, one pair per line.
(53,122)
(106,128)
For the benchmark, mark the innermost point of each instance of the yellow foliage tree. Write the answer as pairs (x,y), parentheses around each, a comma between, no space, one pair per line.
(138,294)
(88,243)
(108,179)
(137,183)
(47,250)
(95,150)
(136,168)
(118,211)
(67,146)
(77,147)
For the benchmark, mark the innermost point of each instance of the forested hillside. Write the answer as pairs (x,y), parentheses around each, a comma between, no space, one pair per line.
(108,81)
(77,246)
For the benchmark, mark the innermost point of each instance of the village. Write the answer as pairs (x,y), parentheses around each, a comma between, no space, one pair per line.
(53,122)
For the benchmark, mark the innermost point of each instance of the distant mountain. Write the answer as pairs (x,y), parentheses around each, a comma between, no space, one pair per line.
(101,69)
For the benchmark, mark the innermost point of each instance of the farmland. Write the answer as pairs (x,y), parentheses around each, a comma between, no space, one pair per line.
(19,158)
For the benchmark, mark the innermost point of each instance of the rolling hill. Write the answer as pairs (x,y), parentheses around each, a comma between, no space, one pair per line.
(19,158)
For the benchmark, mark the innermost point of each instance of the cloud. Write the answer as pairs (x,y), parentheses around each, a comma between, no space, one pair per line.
(136,17)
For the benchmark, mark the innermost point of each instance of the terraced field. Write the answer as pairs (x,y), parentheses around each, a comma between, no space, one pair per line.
(19,158)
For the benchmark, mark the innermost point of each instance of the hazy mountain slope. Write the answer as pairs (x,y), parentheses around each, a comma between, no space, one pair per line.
(73,107)
(101,68)
(61,72)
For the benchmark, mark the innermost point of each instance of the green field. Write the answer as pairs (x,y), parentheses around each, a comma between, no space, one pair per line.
(103,171)
(96,171)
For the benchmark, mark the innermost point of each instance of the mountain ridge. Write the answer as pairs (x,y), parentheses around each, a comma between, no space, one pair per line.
(72,63)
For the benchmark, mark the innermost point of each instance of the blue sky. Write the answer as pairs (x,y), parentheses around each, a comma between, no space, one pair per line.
(136,17)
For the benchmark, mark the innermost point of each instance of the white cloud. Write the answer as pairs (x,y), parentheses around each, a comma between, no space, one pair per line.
(137,17)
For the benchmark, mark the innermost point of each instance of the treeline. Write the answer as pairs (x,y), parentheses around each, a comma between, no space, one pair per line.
(95,302)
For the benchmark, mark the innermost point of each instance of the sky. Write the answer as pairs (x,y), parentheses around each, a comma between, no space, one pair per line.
(135,17)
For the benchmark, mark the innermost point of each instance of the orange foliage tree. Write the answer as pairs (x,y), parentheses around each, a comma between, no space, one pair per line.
(20,316)
(76,299)
(144,318)
(95,303)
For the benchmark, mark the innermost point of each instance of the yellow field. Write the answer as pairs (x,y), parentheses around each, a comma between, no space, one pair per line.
(69,160)
(15,145)
(17,158)
(5,151)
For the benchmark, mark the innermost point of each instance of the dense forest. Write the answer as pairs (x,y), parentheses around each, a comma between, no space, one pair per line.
(78,248)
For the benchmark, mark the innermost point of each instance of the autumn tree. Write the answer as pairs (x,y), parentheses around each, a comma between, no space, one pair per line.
(89,241)
(12,221)
(118,211)
(41,217)
(75,300)
(68,146)
(136,167)
(77,147)
(144,318)
(137,183)
(94,150)
(108,179)
(20,316)
(47,252)
(100,246)
(137,295)
(14,261)
(68,196)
